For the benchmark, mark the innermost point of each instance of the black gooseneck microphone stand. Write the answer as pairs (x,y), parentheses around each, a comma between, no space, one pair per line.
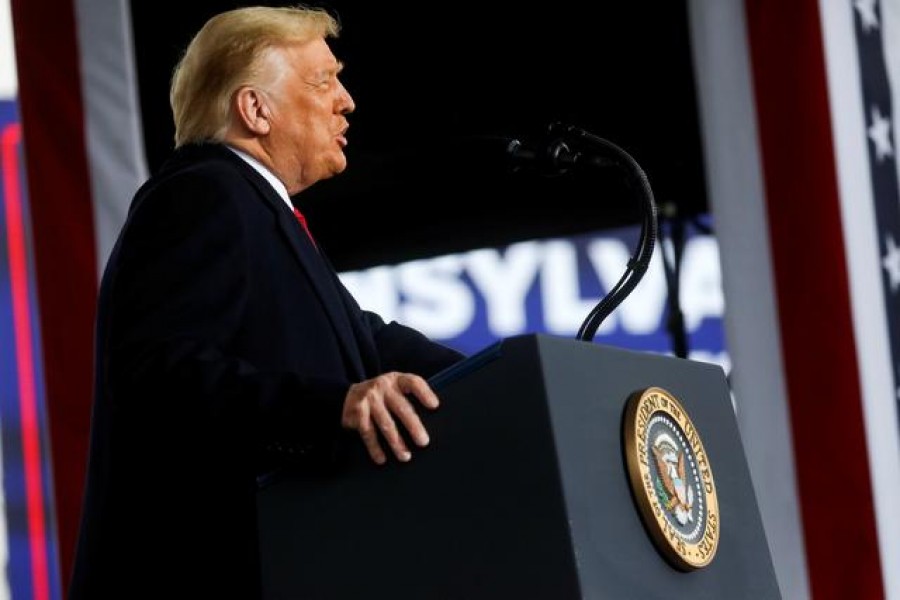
(567,147)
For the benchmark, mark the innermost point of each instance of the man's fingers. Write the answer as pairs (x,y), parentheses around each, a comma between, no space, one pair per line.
(380,405)
(356,415)
(388,428)
(370,439)
(401,407)
(413,384)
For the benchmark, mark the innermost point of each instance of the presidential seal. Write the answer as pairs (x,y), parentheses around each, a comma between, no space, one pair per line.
(671,479)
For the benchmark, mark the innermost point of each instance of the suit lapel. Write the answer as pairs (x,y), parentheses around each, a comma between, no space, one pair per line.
(313,264)
(365,343)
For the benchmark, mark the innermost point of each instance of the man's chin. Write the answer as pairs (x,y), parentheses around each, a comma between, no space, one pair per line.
(335,167)
(340,166)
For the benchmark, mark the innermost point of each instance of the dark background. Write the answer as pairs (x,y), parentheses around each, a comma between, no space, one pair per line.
(429,78)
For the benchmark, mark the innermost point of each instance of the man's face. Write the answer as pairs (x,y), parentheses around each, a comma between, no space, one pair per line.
(308,105)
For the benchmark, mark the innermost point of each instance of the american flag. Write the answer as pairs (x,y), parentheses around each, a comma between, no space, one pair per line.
(797,105)
(878,106)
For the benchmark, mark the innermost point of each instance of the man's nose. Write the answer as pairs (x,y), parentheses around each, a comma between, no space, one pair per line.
(346,104)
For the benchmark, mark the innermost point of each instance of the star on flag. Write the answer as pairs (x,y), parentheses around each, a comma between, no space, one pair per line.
(891,262)
(880,134)
(867,15)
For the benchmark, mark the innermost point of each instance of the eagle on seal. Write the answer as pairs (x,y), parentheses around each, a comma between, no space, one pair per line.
(672,470)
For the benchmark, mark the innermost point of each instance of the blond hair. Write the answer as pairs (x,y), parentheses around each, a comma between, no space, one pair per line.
(225,55)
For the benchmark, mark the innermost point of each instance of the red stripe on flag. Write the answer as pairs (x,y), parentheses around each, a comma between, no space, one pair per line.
(23,330)
(63,236)
(813,299)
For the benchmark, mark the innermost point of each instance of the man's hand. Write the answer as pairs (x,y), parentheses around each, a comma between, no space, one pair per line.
(372,405)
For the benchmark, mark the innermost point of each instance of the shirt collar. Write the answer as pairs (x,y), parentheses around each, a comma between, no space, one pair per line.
(266,173)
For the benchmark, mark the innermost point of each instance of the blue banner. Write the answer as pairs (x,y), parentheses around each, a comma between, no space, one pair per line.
(472,299)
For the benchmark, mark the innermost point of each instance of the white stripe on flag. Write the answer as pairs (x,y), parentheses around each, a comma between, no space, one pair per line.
(113,129)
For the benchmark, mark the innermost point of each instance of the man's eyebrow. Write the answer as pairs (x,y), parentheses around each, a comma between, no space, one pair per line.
(327,72)
(331,71)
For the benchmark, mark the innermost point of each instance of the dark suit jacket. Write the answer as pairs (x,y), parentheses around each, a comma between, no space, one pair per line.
(225,345)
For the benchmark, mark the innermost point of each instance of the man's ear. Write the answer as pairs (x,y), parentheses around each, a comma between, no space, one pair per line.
(253,110)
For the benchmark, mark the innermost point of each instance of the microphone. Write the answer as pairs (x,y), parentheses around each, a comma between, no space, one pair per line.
(564,148)
(551,157)
(561,149)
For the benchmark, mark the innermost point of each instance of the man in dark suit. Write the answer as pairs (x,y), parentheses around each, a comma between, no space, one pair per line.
(226,345)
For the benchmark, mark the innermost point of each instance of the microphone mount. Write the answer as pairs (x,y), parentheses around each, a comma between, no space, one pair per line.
(564,148)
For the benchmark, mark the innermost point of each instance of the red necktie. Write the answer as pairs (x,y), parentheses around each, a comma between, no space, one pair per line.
(302,220)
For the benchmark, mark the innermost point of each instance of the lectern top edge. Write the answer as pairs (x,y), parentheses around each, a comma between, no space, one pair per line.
(463,368)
